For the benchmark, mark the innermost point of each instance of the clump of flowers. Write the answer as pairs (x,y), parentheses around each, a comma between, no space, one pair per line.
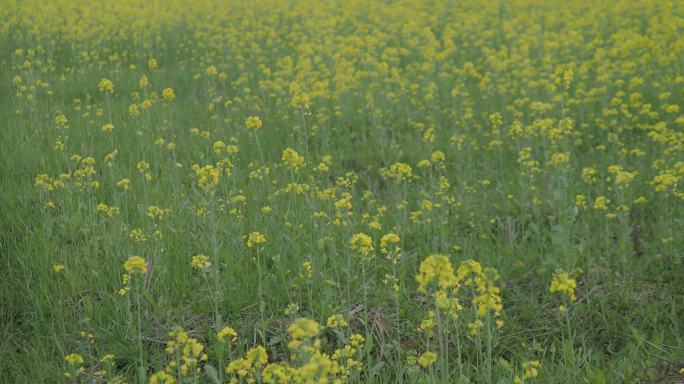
(134,264)
(308,362)
(337,322)
(107,210)
(208,176)
(291,159)
(168,94)
(386,244)
(530,370)
(106,128)
(74,364)
(106,86)
(157,213)
(398,172)
(436,275)
(361,243)
(435,268)
(255,238)
(227,333)
(187,355)
(253,123)
(200,262)
(564,285)
(601,203)
(123,184)
(487,295)
(427,359)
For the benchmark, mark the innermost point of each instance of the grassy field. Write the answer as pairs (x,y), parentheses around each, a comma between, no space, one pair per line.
(342,191)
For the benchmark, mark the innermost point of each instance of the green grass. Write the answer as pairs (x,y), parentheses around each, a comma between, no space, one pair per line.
(518,217)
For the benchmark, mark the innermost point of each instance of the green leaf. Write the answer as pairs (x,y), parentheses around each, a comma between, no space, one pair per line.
(212,373)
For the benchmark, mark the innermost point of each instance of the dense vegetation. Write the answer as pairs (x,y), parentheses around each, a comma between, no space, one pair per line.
(342,191)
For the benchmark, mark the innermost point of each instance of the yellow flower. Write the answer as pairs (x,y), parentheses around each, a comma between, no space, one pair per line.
(106,86)
(218,146)
(133,110)
(291,308)
(308,269)
(361,243)
(227,332)
(475,326)
(135,263)
(563,284)
(57,268)
(292,159)
(399,172)
(531,370)
(388,239)
(601,202)
(191,352)
(143,82)
(438,156)
(162,377)
(255,238)
(337,322)
(152,64)
(560,158)
(426,325)
(304,328)
(435,267)
(424,163)
(74,359)
(207,176)
(639,200)
(356,340)
(111,156)
(62,121)
(168,94)
(580,201)
(253,122)
(427,359)
(142,166)
(123,184)
(200,262)
(254,359)
(155,212)
(107,127)
(589,175)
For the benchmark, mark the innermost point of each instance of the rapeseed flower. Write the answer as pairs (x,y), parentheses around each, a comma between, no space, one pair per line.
(227,333)
(361,243)
(255,238)
(135,263)
(562,283)
(200,262)
(253,123)
(168,94)
(106,86)
(427,359)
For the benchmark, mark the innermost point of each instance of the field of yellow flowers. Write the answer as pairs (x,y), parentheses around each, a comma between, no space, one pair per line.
(303,191)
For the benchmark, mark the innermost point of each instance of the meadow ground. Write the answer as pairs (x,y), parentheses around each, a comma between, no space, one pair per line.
(342,191)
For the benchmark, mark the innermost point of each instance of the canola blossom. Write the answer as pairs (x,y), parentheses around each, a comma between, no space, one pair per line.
(305,191)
